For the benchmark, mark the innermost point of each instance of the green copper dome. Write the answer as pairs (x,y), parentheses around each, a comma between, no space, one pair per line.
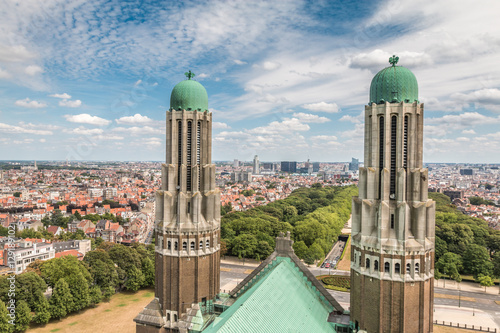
(189,95)
(394,84)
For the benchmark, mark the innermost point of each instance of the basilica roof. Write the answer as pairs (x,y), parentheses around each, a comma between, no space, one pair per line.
(189,95)
(394,84)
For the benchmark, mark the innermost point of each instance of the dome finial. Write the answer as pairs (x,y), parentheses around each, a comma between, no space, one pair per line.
(393,60)
(189,75)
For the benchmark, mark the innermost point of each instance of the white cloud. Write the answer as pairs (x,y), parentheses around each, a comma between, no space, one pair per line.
(355,120)
(268,65)
(202,75)
(63,96)
(324,138)
(138,82)
(135,119)
(42,140)
(483,97)
(33,70)
(281,127)
(471,131)
(218,125)
(84,131)
(239,62)
(378,59)
(16,53)
(4,74)
(310,118)
(322,107)
(463,120)
(5,128)
(70,104)
(27,103)
(137,131)
(85,118)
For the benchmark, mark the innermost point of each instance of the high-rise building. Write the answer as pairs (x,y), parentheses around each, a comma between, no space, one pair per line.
(315,166)
(187,222)
(467,172)
(256,166)
(236,163)
(290,167)
(354,165)
(392,265)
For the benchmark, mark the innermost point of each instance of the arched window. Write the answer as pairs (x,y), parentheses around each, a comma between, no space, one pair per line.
(397,268)
(392,190)
(387,267)
(201,245)
(176,247)
(367,263)
(192,245)
(188,155)
(169,245)
(417,268)
(375,265)
(381,152)
(408,268)
(207,243)
(184,246)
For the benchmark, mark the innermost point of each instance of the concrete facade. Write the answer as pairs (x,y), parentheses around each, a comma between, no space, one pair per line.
(187,226)
(392,265)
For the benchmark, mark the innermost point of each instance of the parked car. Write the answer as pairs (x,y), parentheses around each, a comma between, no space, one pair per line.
(327,265)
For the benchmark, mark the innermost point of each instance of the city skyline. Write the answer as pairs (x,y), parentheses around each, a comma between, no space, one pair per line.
(286,80)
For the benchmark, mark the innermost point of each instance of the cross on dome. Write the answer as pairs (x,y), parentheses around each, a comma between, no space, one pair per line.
(189,75)
(393,60)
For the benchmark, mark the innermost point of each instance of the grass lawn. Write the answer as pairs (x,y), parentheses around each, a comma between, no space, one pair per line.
(114,316)
(345,263)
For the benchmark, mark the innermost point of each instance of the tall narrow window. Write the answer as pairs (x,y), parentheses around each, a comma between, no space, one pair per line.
(397,268)
(381,154)
(367,263)
(375,265)
(387,267)
(394,120)
(408,268)
(417,268)
(188,156)
(405,144)
(198,152)
(392,221)
(179,152)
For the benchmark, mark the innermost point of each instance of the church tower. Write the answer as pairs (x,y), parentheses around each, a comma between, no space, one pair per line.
(392,253)
(187,222)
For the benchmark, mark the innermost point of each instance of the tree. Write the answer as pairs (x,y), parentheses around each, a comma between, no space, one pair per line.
(60,300)
(41,309)
(95,296)
(65,267)
(148,271)
(78,216)
(223,247)
(450,264)
(5,326)
(135,279)
(23,316)
(263,250)
(477,261)
(17,194)
(496,267)
(315,252)
(102,269)
(79,289)
(28,284)
(300,249)
(485,281)
(244,245)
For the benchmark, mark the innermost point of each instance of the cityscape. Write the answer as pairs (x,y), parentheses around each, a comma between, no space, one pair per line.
(249,166)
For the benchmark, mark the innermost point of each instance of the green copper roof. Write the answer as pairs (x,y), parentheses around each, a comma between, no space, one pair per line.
(281,299)
(394,84)
(189,95)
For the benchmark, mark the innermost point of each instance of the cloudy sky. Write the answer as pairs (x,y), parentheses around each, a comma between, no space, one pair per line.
(287,80)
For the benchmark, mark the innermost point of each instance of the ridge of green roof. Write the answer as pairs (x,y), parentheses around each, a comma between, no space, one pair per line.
(267,305)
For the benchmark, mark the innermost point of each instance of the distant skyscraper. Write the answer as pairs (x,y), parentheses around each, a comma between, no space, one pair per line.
(187,222)
(392,253)
(315,166)
(354,165)
(467,172)
(290,167)
(236,163)
(256,166)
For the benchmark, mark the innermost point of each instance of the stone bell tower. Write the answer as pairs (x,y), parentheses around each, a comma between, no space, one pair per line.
(187,216)
(392,265)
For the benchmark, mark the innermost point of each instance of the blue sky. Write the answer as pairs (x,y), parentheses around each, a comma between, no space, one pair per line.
(287,80)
